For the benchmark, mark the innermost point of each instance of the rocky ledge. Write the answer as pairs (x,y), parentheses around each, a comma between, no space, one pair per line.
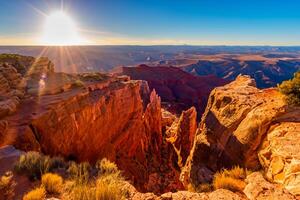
(245,126)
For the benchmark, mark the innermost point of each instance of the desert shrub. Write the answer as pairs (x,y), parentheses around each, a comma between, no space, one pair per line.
(291,88)
(81,192)
(80,173)
(7,186)
(109,187)
(36,194)
(52,183)
(204,187)
(33,164)
(105,166)
(232,179)
(57,162)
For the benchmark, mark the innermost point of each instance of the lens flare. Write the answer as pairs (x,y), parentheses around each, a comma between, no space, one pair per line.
(60,30)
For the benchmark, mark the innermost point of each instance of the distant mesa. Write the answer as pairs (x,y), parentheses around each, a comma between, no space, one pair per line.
(266,74)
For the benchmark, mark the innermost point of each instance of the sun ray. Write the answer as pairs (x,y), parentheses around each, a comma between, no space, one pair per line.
(72,63)
(36,9)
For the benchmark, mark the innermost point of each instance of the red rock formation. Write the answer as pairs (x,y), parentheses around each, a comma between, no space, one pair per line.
(179,89)
(181,134)
(238,118)
(106,119)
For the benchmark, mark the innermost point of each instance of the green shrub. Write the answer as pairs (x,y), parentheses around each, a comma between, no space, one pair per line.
(36,194)
(291,88)
(232,179)
(33,164)
(105,166)
(7,186)
(52,183)
(80,173)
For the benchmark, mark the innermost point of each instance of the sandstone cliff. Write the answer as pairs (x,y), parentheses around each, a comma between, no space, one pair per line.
(238,118)
(103,116)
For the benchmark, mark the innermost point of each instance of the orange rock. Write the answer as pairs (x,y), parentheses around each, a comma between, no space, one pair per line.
(87,124)
(181,134)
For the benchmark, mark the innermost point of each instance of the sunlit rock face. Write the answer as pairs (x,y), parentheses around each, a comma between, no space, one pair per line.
(280,152)
(113,117)
(237,119)
(259,188)
(11,89)
(181,134)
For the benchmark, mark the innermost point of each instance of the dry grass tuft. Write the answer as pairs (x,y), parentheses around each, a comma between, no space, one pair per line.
(108,187)
(36,194)
(75,191)
(232,179)
(52,183)
(80,173)
(33,164)
(105,166)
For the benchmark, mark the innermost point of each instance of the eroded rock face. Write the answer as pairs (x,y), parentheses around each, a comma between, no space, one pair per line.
(11,89)
(258,188)
(237,118)
(105,119)
(280,153)
(181,134)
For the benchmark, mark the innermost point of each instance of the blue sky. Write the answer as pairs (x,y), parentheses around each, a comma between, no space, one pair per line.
(201,22)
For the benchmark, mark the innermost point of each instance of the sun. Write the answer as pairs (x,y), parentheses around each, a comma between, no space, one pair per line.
(60,29)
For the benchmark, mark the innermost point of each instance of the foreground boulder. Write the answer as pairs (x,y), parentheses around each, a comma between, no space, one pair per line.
(259,188)
(238,118)
(280,152)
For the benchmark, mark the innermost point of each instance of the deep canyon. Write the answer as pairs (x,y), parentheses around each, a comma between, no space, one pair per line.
(148,120)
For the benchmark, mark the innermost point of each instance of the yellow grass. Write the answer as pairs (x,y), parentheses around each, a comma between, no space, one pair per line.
(36,194)
(109,188)
(232,179)
(52,183)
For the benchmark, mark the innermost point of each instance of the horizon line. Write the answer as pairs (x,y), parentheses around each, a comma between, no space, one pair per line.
(191,45)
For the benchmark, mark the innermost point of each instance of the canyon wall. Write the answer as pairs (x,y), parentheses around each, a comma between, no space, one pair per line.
(87,117)
(178,90)
(245,126)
